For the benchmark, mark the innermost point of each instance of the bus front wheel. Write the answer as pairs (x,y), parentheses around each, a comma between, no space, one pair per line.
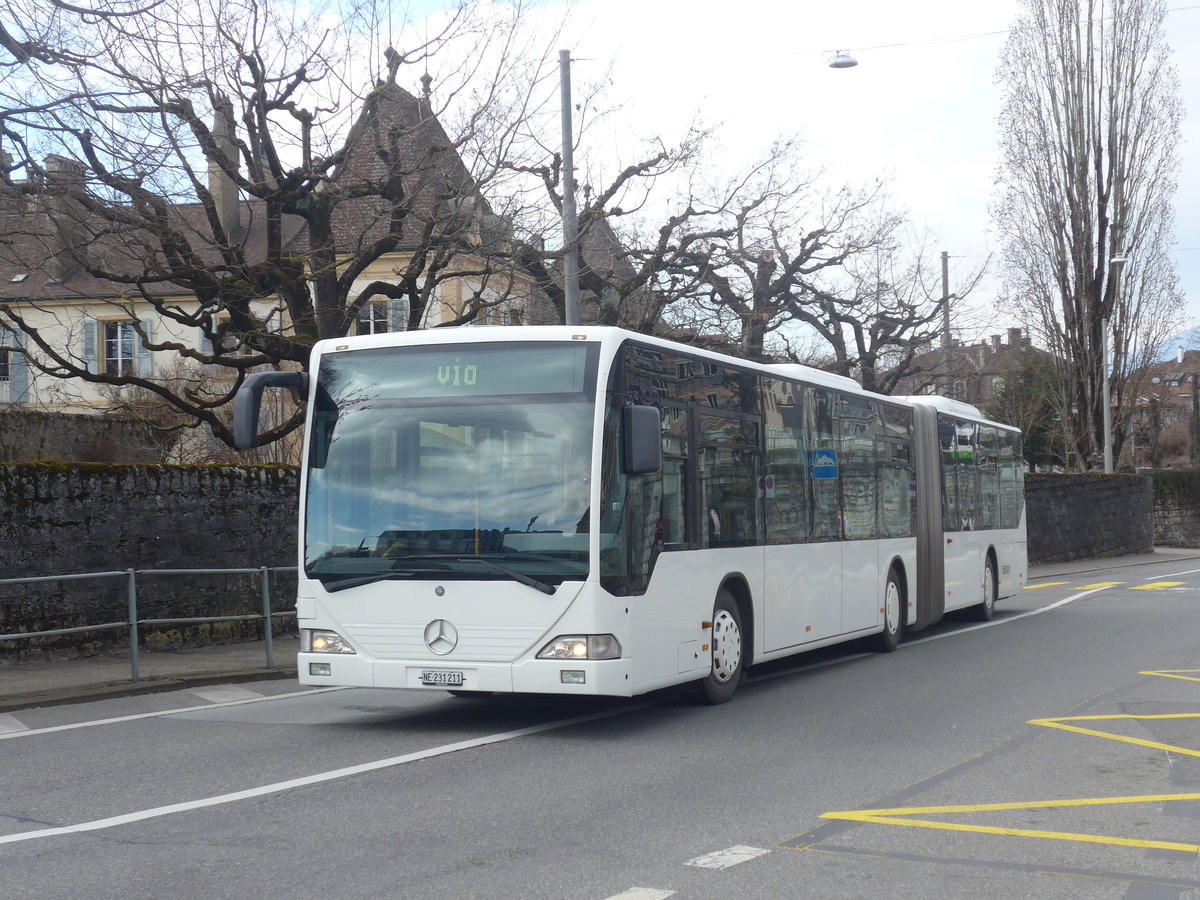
(728,659)
(986,610)
(893,616)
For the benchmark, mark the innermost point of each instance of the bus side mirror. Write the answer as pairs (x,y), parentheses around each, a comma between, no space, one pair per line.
(249,400)
(641,430)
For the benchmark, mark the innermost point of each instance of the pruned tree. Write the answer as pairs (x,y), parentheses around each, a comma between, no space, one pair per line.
(768,261)
(235,168)
(1089,136)
(885,309)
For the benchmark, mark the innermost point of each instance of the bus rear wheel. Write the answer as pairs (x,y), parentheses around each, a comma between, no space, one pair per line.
(728,659)
(986,611)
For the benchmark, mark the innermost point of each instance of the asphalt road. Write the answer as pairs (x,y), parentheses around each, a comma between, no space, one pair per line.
(1052,753)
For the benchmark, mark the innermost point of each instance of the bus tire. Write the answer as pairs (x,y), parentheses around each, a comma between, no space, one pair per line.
(893,616)
(728,654)
(986,611)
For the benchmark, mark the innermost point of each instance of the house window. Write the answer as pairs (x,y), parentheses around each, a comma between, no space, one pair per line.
(4,370)
(373,318)
(119,341)
(383,316)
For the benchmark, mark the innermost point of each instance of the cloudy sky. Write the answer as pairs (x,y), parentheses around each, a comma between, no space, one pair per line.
(920,108)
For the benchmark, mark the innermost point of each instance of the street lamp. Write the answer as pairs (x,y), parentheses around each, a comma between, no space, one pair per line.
(1115,263)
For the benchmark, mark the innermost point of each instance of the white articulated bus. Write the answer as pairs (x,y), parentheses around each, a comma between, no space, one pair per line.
(586,510)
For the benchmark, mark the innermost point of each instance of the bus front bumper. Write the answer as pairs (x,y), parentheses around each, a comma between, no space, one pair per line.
(609,677)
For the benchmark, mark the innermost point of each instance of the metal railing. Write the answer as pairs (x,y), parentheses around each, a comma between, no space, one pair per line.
(133,623)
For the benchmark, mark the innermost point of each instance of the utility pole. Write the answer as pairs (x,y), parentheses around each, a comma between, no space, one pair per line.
(948,384)
(571,311)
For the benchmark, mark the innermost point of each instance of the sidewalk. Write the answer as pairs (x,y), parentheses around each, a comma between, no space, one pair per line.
(1077,566)
(74,680)
(54,682)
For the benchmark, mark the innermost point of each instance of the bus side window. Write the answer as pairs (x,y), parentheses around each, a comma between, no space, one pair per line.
(948,439)
(989,477)
(673,525)
(822,465)
(897,478)
(786,484)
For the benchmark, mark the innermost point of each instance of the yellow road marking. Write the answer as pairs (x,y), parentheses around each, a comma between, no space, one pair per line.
(1181,674)
(903,815)
(1034,587)
(900,817)
(1100,584)
(1157,585)
(1154,745)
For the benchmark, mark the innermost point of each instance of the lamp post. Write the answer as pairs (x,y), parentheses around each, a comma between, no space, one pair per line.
(1115,263)
(572,314)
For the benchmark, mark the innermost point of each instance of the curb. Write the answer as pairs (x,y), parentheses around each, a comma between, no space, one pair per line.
(1083,566)
(117,689)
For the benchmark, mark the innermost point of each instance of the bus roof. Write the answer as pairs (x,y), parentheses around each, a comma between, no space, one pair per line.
(612,336)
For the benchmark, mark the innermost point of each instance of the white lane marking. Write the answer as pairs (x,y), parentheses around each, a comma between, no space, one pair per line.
(224,693)
(837,661)
(1006,619)
(308,780)
(1175,575)
(723,859)
(10,723)
(641,893)
(166,712)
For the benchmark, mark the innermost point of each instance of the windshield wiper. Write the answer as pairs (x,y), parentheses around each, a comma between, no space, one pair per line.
(519,577)
(341,584)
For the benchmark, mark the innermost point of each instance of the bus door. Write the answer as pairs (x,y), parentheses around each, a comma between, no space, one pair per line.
(931,542)
(803,587)
(960,510)
(858,424)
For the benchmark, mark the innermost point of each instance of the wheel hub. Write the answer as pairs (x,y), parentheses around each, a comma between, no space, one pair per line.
(727,646)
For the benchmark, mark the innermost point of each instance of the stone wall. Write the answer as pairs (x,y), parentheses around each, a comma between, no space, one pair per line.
(30,435)
(1177,508)
(65,518)
(1087,516)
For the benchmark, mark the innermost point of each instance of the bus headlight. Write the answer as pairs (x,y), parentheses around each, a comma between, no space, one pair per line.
(312,641)
(582,646)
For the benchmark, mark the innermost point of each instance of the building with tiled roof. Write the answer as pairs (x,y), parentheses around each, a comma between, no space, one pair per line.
(85,286)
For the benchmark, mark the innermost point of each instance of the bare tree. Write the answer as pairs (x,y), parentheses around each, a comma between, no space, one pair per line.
(1090,128)
(768,261)
(885,307)
(220,164)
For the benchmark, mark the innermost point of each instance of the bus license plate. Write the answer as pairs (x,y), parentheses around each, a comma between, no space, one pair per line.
(441,678)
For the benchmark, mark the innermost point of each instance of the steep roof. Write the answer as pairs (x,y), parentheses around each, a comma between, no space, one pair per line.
(398,152)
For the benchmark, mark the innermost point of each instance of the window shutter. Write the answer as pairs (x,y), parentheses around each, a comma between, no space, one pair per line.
(397,314)
(145,365)
(90,341)
(18,372)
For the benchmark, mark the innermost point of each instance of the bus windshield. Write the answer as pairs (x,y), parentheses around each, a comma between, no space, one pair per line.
(412,475)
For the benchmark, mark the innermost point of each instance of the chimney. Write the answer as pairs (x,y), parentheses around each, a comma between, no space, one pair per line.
(221,186)
(67,235)
(995,343)
(1179,355)
(1014,336)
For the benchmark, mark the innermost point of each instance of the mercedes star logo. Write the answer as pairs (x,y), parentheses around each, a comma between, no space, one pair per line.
(441,636)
